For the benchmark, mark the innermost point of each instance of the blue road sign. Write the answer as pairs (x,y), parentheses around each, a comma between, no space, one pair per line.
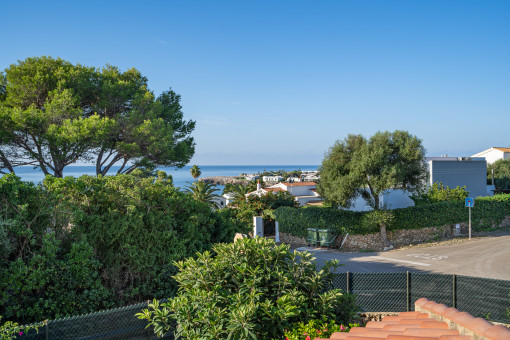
(470,202)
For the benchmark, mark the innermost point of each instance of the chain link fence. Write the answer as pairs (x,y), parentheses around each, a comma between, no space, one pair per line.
(119,323)
(397,292)
(375,292)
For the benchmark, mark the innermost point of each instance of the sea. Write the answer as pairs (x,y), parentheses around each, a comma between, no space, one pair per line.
(181,177)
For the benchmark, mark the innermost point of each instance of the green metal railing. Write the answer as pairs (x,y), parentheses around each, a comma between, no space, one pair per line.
(375,292)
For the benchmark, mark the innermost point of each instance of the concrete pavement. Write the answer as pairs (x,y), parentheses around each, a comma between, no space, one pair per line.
(487,257)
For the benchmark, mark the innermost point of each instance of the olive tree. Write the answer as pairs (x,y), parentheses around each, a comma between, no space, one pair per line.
(360,167)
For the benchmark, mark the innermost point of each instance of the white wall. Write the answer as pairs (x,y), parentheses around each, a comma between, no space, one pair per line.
(390,199)
(301,190)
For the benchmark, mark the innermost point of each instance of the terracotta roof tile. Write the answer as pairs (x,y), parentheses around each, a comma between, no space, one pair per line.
(431,321)
(272,189)
(503,149)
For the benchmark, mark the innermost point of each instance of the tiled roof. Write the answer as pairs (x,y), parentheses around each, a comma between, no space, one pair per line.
(296,184)
(431,321)
(502,149)
(272,189)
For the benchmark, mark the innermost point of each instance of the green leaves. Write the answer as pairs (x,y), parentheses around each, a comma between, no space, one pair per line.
(488,212)
(54,113)
(60,242)
(359,167)
(251,288)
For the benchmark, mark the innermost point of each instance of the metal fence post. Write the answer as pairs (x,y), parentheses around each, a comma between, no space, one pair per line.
(454,282)
(348,283)
(408,277)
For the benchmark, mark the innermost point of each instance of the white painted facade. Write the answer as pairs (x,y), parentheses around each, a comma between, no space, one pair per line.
(272,178)
(303,192)
(229,198)
(494,154)
(389,199)
(220,201)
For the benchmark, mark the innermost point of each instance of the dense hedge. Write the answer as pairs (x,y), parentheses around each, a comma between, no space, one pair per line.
(487,212)
(77,245)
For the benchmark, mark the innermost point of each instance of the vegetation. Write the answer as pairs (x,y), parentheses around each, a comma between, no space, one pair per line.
(488,212)
(203,192)
(358,167)
(438,193)
(195,172)
(250,289)
(240,190)
(245,209)
(60,242)
(316,328)
(11,330)
(501,174)
(54,113)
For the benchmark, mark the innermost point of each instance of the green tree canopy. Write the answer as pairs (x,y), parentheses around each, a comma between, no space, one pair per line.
(364,167)
(501,173)
(195,172)
(54,113)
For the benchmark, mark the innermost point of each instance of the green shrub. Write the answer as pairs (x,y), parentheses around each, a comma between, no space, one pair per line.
(488,211)
(78,245)
(11,330)
(438,193)
(249,289)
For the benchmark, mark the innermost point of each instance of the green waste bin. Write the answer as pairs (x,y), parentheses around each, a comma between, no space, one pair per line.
(326,237)
(312,236)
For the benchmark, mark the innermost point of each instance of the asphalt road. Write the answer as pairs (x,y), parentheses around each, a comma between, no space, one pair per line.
(487,257)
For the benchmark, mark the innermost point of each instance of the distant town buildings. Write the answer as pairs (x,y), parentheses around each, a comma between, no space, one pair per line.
(305,193)
(272,178)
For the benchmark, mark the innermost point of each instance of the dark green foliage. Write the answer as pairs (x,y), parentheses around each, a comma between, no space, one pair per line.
(488,211)
(137,227)
(438,193)
(43,274)
(78,245)
(296,221)
(245,209)
(363,167)
(54,113)
(250,289)
(501,174)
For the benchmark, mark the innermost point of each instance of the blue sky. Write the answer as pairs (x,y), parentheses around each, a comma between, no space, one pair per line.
(278,82)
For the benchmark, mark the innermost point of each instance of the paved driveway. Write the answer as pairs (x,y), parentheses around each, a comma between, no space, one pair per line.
(487,257)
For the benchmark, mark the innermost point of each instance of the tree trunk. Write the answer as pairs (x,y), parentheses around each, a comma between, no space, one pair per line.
(384,238)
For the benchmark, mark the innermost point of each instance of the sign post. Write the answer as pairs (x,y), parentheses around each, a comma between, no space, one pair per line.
(470,202)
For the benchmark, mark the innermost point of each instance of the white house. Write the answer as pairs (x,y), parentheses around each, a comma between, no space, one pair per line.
(303,192)
(251,177)
(272,178)
(494,154)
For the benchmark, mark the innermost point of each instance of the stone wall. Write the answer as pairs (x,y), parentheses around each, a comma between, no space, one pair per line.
(399,238)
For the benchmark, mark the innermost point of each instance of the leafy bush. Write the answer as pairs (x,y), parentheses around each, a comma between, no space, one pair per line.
(11,330)
(501,174)
(249,289)
(438,193)
(78,245)
(296,221)
(488,211)
(316,328)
